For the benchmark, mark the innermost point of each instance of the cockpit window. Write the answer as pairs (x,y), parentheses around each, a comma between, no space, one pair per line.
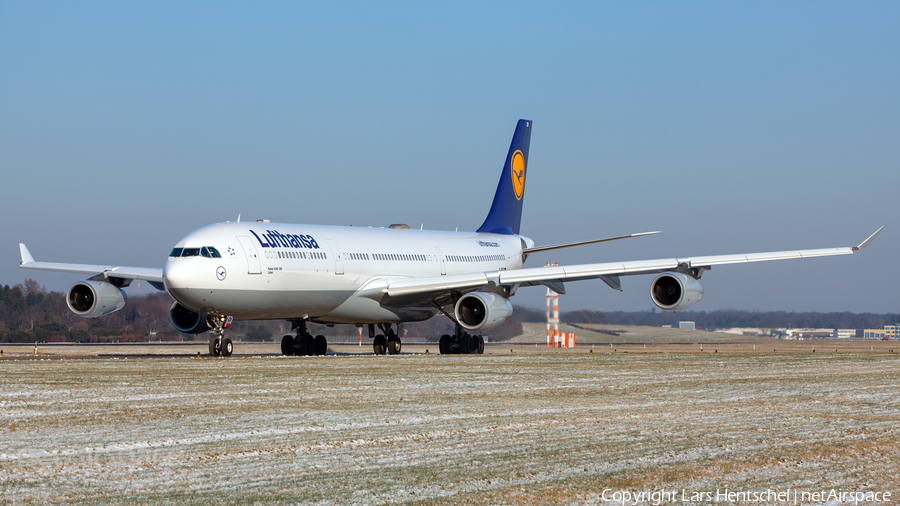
(205,251)
(210,252)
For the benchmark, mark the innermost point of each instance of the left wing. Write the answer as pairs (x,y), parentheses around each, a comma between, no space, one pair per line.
(153,276)
(406,290)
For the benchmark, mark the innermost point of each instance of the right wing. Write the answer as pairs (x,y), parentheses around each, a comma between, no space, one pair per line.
(408,291)
(153,276)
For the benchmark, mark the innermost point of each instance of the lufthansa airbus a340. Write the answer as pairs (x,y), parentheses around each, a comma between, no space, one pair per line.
(377,277)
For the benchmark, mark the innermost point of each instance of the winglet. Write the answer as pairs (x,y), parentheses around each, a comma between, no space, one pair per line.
(26,256)
(869,240)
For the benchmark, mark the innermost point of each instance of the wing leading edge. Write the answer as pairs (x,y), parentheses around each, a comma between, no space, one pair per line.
(408,289)
(153,276)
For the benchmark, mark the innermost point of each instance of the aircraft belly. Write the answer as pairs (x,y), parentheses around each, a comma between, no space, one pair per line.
(366,310)
(271,304)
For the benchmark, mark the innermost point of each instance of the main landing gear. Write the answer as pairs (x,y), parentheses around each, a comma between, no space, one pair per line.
(303,343)
(389,342)
(461,342)
(219,345)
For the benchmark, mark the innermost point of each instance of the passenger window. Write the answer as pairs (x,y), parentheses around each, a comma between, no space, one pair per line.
(176,252)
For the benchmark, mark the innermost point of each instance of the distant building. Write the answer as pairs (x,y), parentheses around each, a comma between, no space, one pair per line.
(748,331)
(687,325)
(802,334)
(793,334)
(873,334)
(888,332)
(845,333)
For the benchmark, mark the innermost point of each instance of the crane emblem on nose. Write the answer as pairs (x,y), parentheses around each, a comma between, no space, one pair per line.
(220,273)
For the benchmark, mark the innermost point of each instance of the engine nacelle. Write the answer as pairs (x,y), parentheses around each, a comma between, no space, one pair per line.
(674,291)
(479,311)
(92,299)
(187,320)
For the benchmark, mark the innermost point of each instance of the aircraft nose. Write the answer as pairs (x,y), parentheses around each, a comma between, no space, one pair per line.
(175,275)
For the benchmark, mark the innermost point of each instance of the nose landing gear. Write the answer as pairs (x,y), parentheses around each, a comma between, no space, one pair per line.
(219,345)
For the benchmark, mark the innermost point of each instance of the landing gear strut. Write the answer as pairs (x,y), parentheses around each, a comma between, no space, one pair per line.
(219,345)
(303,343)
(389,342)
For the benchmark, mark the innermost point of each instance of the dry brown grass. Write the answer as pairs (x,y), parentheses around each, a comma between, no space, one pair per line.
(535,428)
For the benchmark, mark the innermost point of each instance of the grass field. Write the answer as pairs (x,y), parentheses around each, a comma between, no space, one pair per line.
(541,427)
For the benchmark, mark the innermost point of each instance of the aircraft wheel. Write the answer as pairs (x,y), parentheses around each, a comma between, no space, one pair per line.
(479,345)
(393,345)
(321,345)
(444,345)
(379,345)
(287,346)
(466,346)
(214,347)
(307,345)
(227,347)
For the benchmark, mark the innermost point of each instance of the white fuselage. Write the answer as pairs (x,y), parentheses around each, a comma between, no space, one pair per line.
(288,271)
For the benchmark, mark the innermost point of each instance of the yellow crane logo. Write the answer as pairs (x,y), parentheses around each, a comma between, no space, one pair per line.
(517,169)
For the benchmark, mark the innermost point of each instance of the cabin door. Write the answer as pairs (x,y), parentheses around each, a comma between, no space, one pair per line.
(338,258)
(251,254)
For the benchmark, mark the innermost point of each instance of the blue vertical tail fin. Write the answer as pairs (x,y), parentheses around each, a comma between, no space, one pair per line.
(506,211)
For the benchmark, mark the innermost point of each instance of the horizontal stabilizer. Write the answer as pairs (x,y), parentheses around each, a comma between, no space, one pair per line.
(582,243)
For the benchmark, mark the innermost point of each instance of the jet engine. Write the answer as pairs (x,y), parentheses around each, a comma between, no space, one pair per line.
(478,311)
(92,299)
(673,291)
(187,320)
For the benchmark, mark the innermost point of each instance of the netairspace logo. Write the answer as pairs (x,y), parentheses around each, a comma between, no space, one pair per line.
(725,495)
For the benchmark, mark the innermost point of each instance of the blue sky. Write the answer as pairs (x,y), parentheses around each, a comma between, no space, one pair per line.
(732,127)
